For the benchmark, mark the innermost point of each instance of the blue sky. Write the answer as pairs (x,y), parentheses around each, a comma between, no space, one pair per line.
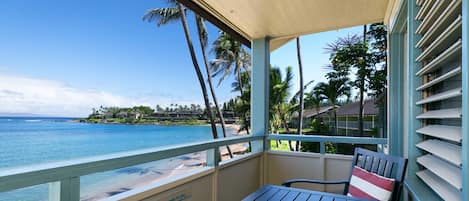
(64,57)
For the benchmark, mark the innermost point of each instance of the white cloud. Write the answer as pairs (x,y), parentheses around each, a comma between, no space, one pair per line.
(46,97)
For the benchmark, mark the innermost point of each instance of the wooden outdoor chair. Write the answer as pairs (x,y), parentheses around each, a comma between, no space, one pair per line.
(379,163)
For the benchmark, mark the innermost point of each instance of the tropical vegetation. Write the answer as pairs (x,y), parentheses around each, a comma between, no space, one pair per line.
(357,63)
(351,55)
(176,11)
(174,114)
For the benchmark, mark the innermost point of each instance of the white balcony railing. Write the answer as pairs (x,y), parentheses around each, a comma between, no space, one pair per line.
(64,176)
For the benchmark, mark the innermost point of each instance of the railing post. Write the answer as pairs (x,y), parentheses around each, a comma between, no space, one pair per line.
(322,147)
(65,190)
(213,157)
(260,91)
(380,148)
(346,125)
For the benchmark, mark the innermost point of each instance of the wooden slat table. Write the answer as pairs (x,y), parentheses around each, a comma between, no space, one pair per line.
(280,193)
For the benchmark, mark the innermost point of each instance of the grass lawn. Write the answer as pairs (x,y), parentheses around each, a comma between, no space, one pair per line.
(294,130)
(282,146)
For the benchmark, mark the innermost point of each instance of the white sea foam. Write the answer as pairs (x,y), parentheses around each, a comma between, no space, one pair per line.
(32,120)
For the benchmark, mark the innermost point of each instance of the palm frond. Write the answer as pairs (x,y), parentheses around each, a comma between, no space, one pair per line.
(296,96)
(162,16)
(235,58)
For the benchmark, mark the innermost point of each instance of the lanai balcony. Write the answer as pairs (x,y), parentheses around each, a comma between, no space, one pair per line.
(438,154)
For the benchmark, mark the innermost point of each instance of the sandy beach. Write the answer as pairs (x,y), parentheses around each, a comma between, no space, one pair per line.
(237,149)
(137,176)
(236,128)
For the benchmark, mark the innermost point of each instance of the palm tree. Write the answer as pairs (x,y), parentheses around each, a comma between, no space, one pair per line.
(294,103)
(335,88)
(203,38)
(378,45)
(243,106)
(362,76)
(163,16)
(279,88)
(231,58)
(279,92)
(348,52)
(279,108)
(313,100)
(301,105)
(242,103)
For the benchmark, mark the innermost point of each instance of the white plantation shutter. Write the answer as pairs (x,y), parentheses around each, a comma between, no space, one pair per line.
(436,80)
(453,113)
(451,133)
(447,17)
(441,167)
(449,152)
(451,53)
(424,10)
(420,2)
(440,58)
(439,185)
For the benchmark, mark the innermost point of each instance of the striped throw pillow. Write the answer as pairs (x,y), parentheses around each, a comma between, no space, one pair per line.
(369,185)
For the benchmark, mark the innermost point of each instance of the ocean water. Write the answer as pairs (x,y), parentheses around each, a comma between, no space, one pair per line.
(27,140)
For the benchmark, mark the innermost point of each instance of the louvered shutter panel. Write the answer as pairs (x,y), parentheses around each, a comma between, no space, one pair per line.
(440,58)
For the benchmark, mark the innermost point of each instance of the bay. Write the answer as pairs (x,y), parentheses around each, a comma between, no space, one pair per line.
(33,140)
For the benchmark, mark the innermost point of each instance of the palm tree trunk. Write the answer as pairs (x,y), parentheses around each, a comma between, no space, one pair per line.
(287,130)
(361,108)
(209,79)
(197,70)
(300,110)
(245,119)
(336,129)
(238,75)
(334,111)
(362,89)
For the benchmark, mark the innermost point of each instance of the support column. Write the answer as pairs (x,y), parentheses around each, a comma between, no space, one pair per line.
(260,91)
(260,100)
(412,95)
(395,93)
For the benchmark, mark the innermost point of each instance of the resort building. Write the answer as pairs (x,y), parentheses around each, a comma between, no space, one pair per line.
(310,114)
(230,117)
(178,116)
(324,114)
(427,112)
(347,119)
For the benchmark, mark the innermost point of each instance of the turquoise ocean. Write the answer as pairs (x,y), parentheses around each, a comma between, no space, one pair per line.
(33,140)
